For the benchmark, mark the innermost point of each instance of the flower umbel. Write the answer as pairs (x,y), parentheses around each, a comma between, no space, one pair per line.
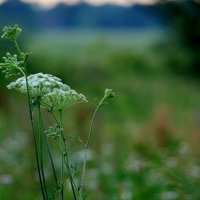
(49,89)
(39,84)
(59,99)
(11,66)
(11,33)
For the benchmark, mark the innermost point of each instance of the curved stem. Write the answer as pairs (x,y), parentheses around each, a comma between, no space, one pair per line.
(87,145)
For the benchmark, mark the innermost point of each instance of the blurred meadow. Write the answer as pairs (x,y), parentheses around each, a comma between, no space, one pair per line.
(145,143)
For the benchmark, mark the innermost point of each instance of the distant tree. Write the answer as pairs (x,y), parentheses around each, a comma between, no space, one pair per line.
(184,18)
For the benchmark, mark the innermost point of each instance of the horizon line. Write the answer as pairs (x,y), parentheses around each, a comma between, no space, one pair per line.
(46,4)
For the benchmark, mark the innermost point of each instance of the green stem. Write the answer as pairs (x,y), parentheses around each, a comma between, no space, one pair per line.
(65,156)
(49,153)
(62,158)
(70,175)
(31,120)
(21,71)
(87,145)
(41,129)
(66,160)
(18,49)
(20,54)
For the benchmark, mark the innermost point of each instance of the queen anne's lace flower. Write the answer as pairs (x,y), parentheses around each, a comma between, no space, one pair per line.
(60,99)
(51,92)
(39,84)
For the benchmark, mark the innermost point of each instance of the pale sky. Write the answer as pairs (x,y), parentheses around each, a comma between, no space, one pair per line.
(51,3)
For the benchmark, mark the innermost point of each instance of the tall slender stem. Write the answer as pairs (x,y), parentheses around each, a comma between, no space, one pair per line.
(41,130)
(65,156)
(50,154)
(87,145)
(62,158)
(49,151)
(31,119)
(66,160)
(18,49)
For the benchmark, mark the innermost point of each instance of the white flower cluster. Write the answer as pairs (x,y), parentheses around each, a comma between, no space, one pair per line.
(39,84)
(59,99)
(53,94)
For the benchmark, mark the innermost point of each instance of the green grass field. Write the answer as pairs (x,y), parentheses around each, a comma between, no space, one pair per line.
(145,142)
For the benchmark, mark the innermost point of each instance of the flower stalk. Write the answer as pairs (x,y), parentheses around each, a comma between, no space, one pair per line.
(108,94)
(45,91)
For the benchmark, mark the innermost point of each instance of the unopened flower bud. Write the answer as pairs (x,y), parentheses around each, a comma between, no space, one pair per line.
(109,93)
(11,33)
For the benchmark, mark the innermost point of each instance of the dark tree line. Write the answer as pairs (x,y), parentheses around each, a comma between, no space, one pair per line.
(184,18)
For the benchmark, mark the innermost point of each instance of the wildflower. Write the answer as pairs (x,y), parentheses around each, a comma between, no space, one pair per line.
(11,33)
(49,89)
(109,93)
(60,99)
(11,66)
(39,84)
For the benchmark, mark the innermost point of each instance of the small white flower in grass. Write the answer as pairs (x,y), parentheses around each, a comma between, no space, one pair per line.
(6,179)
(39,84)
(59,99)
